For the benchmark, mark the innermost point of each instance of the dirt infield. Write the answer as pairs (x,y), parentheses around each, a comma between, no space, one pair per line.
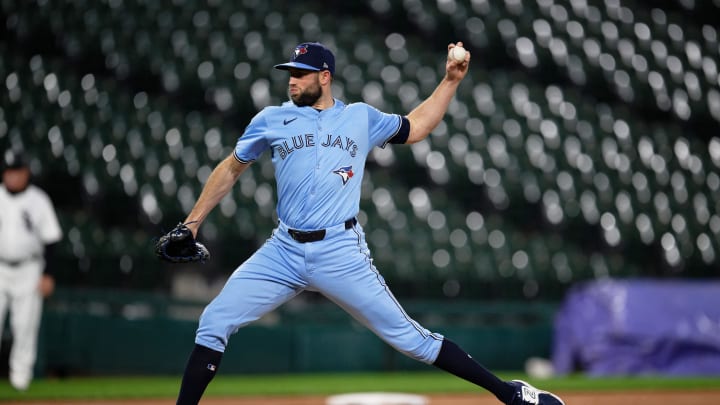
(570,398)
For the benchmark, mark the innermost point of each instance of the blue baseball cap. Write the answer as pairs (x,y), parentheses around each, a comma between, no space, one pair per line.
(310,56)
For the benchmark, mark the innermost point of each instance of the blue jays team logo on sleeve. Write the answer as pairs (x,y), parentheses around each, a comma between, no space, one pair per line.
(345,173)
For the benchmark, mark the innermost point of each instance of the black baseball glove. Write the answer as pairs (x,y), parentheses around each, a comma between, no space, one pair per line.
(179,246)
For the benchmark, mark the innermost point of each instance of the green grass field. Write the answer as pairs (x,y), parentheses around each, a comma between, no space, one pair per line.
(322,384)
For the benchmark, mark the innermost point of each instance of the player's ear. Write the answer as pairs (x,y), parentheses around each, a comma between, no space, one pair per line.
(325,76)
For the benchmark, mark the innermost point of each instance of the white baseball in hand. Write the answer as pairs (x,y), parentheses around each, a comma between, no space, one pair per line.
(457,54)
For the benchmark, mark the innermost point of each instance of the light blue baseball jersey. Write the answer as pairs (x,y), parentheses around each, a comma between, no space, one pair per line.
(319,157)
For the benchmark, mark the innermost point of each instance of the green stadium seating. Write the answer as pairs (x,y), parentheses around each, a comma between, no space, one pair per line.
(584,135)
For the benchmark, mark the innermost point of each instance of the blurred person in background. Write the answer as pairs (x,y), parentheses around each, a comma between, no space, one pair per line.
(29,229)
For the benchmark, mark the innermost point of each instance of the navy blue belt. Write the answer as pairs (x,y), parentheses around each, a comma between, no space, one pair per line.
(314,236)
(16,263)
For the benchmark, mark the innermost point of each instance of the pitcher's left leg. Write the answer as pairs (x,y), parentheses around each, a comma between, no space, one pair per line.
(345,275)
(349,279)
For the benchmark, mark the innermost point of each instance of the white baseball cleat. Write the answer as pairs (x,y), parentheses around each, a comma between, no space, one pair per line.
(20,384)
(526,394)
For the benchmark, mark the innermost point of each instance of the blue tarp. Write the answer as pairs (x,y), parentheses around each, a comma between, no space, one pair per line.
(621,327)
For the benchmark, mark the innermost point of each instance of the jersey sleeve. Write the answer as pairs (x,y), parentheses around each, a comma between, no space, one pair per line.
(253,142)
(50,231)
(382,126)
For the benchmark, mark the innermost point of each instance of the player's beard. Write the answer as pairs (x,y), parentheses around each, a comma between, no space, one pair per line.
(307,97)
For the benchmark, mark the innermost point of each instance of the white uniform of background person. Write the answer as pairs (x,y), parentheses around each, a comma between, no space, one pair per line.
(27,224)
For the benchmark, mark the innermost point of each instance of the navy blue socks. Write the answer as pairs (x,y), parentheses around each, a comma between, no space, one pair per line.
(204,362)
(199,371)
(455,361)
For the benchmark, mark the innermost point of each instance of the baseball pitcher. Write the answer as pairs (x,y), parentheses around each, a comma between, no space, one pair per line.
(319,146)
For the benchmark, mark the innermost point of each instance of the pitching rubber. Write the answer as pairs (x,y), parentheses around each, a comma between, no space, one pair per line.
(377,398)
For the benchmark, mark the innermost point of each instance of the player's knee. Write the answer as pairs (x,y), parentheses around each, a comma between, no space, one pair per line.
(209,338)
(211,334)
(425,351)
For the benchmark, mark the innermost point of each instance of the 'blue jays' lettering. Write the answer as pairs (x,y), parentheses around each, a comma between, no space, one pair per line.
(308,140)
